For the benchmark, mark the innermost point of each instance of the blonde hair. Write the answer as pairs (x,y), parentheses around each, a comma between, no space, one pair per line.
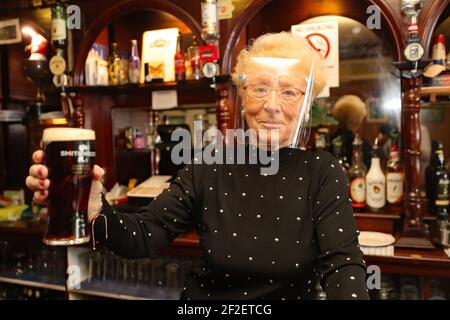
(284,45)
(349,111)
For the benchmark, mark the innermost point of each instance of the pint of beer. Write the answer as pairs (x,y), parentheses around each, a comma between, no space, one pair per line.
(69,157)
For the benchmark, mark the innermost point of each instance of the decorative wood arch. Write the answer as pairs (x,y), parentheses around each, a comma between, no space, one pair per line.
(257,5)
(430,20)
(122,8)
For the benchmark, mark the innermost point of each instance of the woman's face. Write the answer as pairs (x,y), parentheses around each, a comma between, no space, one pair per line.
(272,99)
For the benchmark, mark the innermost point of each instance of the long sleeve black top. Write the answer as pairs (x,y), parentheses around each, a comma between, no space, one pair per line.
(262,236)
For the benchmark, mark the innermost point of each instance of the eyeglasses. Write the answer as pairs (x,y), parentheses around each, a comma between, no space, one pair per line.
(259,86)
(262,91)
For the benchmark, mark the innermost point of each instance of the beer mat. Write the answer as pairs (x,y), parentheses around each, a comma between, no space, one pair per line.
(447,251)
(151,187)
(387,251)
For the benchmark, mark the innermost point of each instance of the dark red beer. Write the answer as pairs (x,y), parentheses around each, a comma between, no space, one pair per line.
(69,157)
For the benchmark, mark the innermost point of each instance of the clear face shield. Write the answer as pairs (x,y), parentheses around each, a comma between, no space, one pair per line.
(274,103)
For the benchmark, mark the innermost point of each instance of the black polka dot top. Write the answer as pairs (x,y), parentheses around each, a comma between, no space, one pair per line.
(262,236)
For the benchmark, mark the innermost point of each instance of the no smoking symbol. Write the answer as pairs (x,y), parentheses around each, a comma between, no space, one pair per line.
(320,43)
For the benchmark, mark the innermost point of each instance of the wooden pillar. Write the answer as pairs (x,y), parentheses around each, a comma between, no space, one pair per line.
(78,114)
(413,235)
(225,106)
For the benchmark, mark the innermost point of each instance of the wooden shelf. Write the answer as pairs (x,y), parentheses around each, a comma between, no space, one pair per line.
(22,227)
(383,221)
(35,281)
(432,263)
(437,91)
(201,84)
(434,92)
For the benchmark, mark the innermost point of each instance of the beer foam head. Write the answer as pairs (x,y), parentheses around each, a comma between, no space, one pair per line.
(67,134)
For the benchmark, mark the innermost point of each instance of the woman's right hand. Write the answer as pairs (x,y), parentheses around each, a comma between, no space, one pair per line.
(38,182)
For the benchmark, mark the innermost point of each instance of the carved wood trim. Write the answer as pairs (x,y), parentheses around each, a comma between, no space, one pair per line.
(255,6)
(224,106)
(429,22)
(120,9)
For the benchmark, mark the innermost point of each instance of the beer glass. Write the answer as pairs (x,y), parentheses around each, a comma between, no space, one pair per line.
(69,157)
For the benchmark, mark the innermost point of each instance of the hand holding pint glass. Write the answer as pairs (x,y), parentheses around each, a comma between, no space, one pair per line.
(73,187)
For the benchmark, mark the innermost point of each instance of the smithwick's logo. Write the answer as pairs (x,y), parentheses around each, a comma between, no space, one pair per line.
(83,153)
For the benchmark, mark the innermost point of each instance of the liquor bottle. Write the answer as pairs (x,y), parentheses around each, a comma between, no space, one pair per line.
(440,180)
(357,176)
(114,65)
(337,151)
(323,139)
(59,30)
(375,182)
(134,67)
(180,68)
(194,57)
(124,70)
(188,66)
(153,141)
(442,223)
(430,172)
(395,176)
(210,21)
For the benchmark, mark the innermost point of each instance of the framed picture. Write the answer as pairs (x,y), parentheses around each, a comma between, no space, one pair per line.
(375,111)
(10,31)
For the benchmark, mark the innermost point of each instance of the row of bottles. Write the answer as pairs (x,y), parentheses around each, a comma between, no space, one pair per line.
(193,64)
(374,188)
(123,71)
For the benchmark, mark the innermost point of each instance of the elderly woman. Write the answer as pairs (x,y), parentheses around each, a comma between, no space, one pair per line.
(262,236)
(350,112)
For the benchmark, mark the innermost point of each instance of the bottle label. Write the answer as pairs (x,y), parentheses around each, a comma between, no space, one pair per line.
(180,65)
(376,193)
(394,156)
(133,73)
(114,73)
(395,187)
(442,203)
(358,189)
(442,192)
(59,29)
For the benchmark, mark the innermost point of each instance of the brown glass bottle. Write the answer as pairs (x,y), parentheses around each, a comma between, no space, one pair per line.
(395,175)
(180,68)
(357,177)
(338,153)
(439,180)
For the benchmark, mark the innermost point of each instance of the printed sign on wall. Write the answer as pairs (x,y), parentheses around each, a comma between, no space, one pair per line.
(324,37)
